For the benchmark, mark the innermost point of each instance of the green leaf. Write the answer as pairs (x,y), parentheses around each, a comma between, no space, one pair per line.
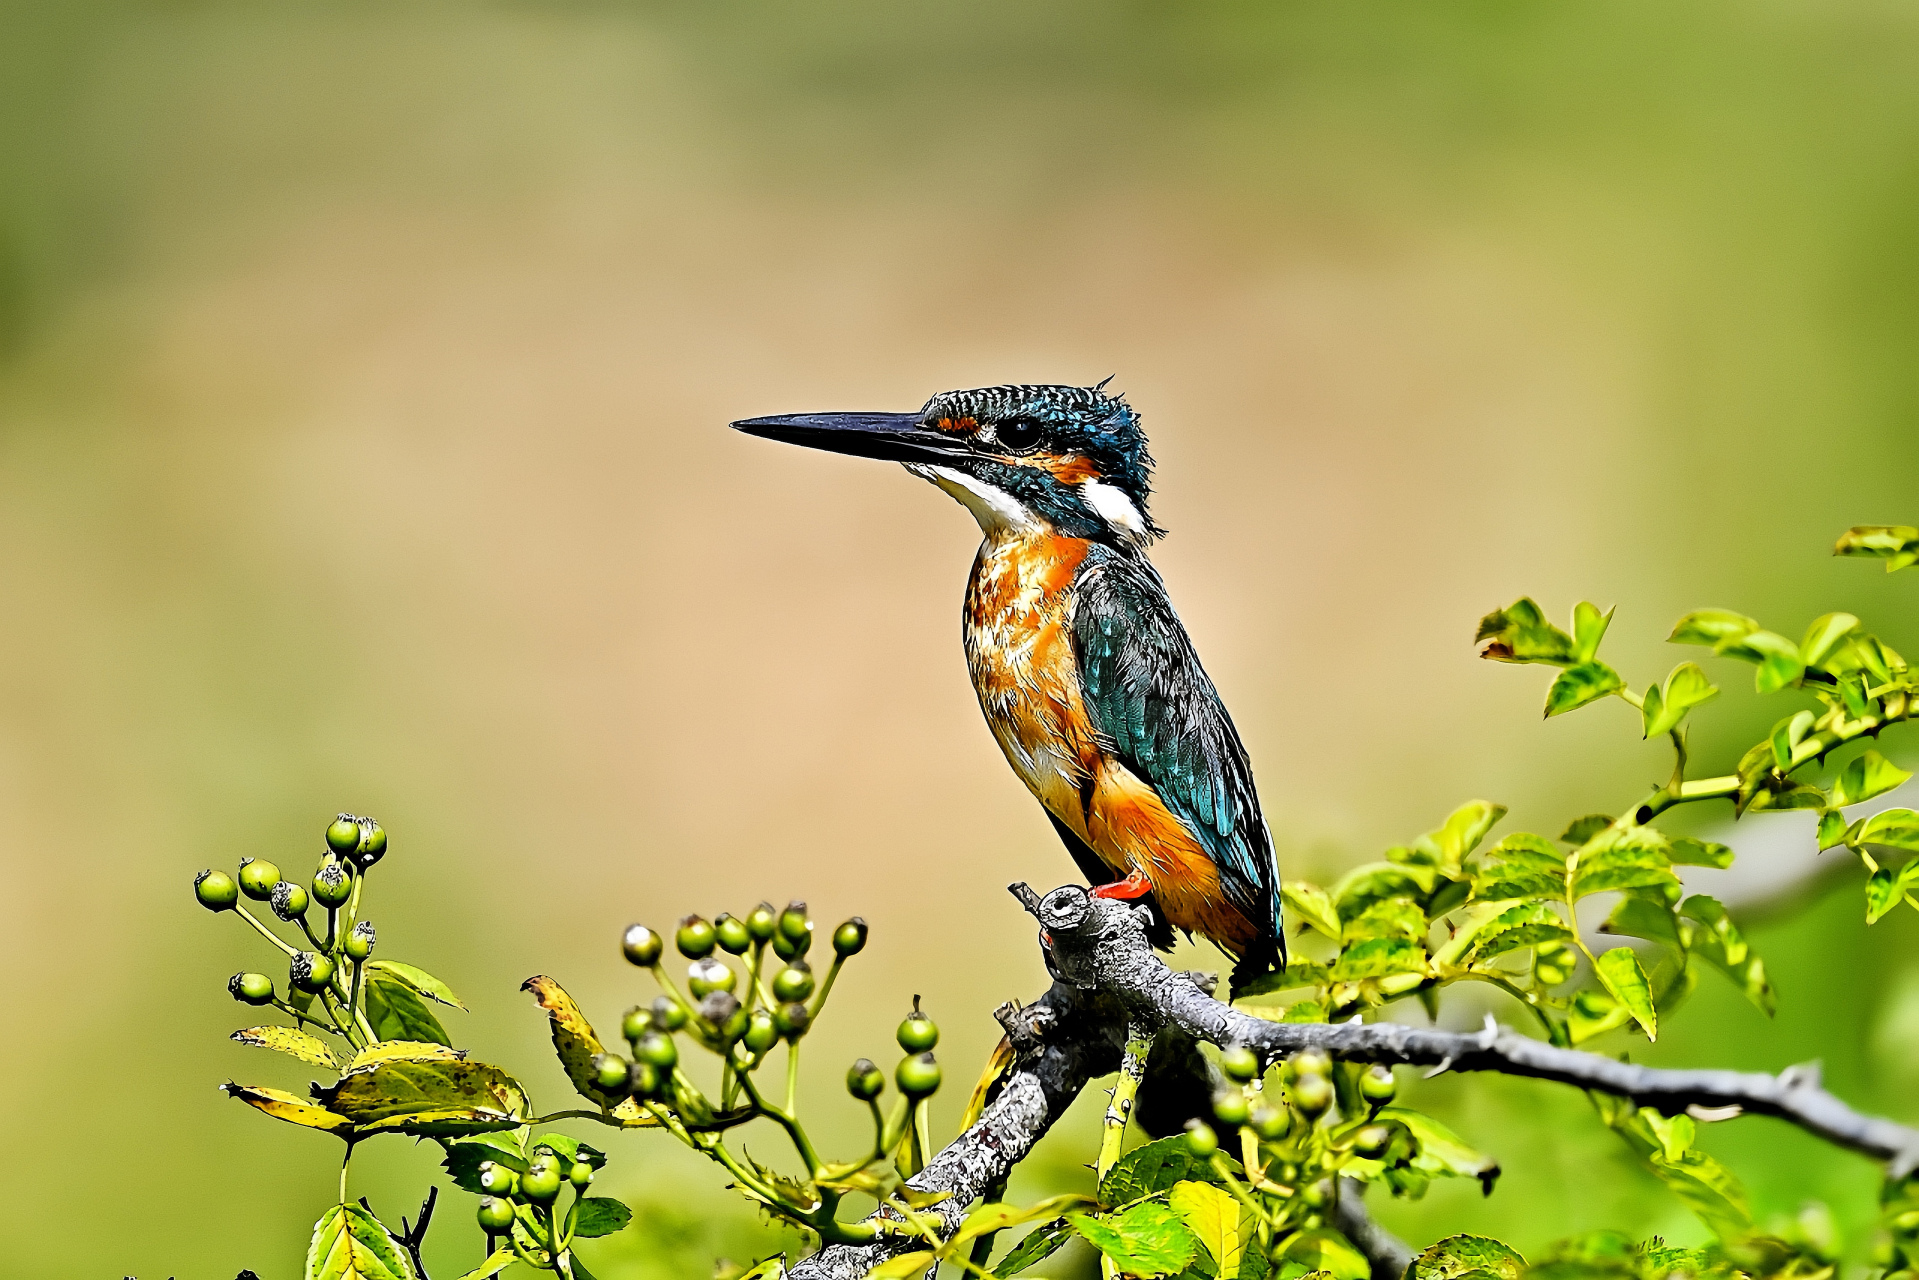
(1520,633)
(1825,632)
(1320,1249)
(1720,944)
(1868,776)
(287,1040)
(1575,687)
(285,1106)
(1589,627)
(1581,830)
(1369,882)
(1688,852)
(600,1216)
(902,1266)
(499,1260)
(1458,1256)
(1638,917)
(1776,656)
(1378,958)
(1212,1215)
(1686,687)
(1709,1189)
(1146,1240)
(1305,1011)
(1594,1013)
(440,1095)
(1151,1168)
(1710,626)
(1894,828)
(1832,829)
(1311,904)
(991,1217)
(350,1244)
(419,980)
(1896,544)
(1387,918)
(464,1156)
(396,1013)
(1522,865)
(1526,925)
(1440,1151)
(1462,831)
(1885,889)
(577,1045)
(1633,858)
(1787,735)
(1039,1244)
(1619,970)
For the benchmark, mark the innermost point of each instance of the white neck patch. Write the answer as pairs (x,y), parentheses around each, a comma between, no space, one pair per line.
(1118,510)
(996,510)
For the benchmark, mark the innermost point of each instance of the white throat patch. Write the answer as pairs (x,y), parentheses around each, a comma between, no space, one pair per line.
(1118,510)
(996,510)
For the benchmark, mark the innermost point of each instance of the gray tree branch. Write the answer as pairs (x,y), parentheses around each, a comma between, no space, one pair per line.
(1106,976)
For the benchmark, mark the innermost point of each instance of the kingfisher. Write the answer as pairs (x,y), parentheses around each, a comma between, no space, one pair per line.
(1084,671)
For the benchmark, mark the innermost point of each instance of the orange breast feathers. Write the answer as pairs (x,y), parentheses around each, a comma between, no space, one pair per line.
(1019,649)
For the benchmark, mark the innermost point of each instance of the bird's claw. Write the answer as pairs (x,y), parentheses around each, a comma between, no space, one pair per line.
(1133,886)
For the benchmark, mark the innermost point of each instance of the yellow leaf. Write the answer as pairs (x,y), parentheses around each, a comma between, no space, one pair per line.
(1213,1216)
(291,1041)
(285,1106)
(899,1268)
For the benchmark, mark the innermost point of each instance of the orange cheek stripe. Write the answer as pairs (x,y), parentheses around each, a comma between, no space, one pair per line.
(1072,470)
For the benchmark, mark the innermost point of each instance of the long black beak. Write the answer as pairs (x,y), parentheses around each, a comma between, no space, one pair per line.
(891,437)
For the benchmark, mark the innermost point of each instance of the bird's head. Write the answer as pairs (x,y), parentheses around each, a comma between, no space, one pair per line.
(1069,460)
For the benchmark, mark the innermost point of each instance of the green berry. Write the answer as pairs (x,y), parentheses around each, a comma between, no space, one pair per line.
(310,971)
(372,844)
(695,938)
(1308,1062)
(332,886)
(731,931)
(251,988)
(216,890)
(611,1073)
(668,1014)
(850,938)
(580,1175)
(641,945)
(791,1020)
(496,1215)
(761,1033)
(657,1050)
(1200,1138)
(1319,1194)
(917,1034)
(645,1080)
(541,1181)
(864,1080)
(1229,1107)
(794,926)
(257,878)
(343,836)
(787,949)
(762,923)
(359,942)
(1312,1094)
(1371,1142)
(1377,1085)
(289,901)
(1271,1123)
(497,1179)
(795,982)
(917,1076)
(706,976)
(637,1022)
(1240,1063)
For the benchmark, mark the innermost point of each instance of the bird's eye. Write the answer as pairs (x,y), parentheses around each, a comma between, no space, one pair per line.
(1018,435)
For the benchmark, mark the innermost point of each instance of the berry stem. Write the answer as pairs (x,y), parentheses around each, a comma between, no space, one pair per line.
(826,987)
(265,932)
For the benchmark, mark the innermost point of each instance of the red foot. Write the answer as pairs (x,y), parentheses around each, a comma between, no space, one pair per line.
(1133,886)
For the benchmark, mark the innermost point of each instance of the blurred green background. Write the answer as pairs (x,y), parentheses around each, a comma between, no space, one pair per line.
(363,373)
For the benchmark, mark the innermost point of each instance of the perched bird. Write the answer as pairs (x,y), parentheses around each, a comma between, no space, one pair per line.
(1082,668)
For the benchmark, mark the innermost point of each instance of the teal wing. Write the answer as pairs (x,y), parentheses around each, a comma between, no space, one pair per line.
(1147,693)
